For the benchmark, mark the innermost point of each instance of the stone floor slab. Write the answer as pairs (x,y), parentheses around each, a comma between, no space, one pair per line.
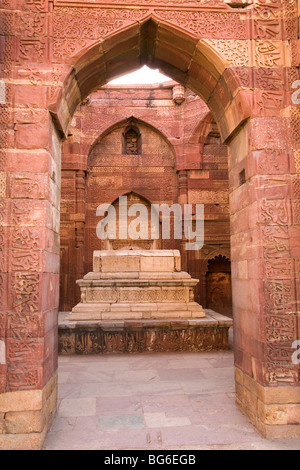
(157,420)
(77,407)
(121,422)
(157,401)
(184,373)
(126,404)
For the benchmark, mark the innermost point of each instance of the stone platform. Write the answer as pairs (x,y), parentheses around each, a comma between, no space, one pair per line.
(135,336)
(138,301)
(136,285)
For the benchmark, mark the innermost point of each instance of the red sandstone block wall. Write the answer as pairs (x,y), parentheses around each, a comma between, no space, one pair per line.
(173,138)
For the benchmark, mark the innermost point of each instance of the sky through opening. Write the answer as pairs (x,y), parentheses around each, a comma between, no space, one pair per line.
(143,76)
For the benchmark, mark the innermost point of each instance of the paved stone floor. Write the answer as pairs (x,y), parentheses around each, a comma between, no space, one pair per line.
(154,401)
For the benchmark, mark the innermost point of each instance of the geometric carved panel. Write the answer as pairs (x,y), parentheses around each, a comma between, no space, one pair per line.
(2,184)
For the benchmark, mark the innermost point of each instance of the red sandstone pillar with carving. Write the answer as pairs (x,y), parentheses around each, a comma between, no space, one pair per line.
(80,223)
(264,297)
(29,204)
(182,200)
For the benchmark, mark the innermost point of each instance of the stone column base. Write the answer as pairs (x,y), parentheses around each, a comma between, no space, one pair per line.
(274,411)
(25,417)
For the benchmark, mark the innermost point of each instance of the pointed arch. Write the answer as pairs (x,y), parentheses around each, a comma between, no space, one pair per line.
(132,194)
(180,55)
(134,199)
(202,129)
(131,122)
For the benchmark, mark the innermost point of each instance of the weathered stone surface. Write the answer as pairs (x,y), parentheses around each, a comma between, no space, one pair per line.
(244,63)
(165,334)
(24,422)
(32,441)
(140,261)
(107,263)
(2,422)
(124,299)
(158,263)
(293,414)
(21,401)
(269,409)
(25,417)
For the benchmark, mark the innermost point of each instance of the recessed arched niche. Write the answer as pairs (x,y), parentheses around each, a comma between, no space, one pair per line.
(218,285)
(132,141)
(137,215)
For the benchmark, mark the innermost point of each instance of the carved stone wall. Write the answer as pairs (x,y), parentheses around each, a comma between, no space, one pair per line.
(243,60)
(177,140)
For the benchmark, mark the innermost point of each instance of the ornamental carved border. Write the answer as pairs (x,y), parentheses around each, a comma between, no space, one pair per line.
(58,30)
(94,23)
(279,293)
(219,4)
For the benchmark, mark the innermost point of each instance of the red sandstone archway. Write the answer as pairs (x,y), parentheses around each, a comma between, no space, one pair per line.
(183,57)
(263,139)
(255,200)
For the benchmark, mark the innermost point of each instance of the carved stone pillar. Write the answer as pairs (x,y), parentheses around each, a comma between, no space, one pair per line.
(80,222)
(203,289)
(263,271)
(182,200)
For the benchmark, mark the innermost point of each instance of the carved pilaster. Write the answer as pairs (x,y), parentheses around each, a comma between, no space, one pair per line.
(80,222)
(183,199)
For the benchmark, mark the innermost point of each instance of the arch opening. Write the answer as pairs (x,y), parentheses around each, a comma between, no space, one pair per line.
(186,59)
(218,285)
